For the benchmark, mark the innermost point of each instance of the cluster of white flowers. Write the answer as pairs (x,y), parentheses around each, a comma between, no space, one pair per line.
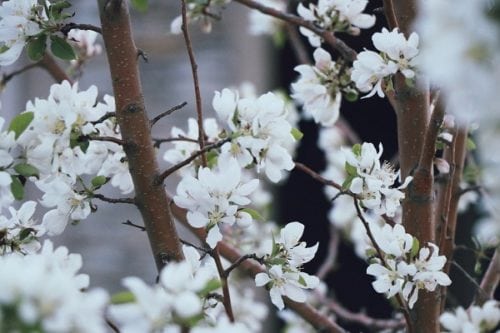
(335,15)
(405,267)
(260,130)
(56,142)
(373,181)
(215,197)
(180,299)
(460,55)
(18,22)
(60,306)
(476,319)
(320,87)
(7,142)
(283,276)
(20,232)
(396,53)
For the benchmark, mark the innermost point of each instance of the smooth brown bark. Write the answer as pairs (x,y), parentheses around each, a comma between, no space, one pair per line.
(134,124)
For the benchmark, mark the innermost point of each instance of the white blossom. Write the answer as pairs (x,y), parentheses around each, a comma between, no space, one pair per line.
(476,319)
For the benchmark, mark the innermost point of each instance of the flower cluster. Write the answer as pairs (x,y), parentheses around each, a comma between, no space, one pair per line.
(320,87)
(7,142)
(396,53)
(405,268)
(476,319)
(260,130)
(335,15)
(58,140)
(215,197)
(373,181)
(283,275)
(18,22)
(20,232)
(60,306)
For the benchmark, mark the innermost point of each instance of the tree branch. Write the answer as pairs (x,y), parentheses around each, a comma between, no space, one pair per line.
(65,29)
(50,65)
(167,113)
(490,280)
(135,129)
(331,257)
(114,200)
(196,82)
(342,48)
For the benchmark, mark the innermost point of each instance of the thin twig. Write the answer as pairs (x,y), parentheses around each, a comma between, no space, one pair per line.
(359,318)
(469,278)
(398,297)
(159,141)
(225,287)
(490,279)
(52,67)
(331,256)
(238,262)
(161,178)
(204,250)
(130,223)
(103,118)
(65,29)
(114,200)
(319,178)
(196,82)
(107,139)
(7,77)
(389,14)
(342,48)
(166,113)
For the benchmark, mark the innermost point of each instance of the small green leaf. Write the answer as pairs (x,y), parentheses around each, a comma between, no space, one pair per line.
(61,48)
(98,181)
(20,123)
(347,183)
(471,145)
(297,134)
(302,281)
(351,170)
(140,5)
(279,39)
(36,47)
(351,96)
(26,170)
(17,188)
(122,297)
(253,213)
(25,233)
(415,247)
(210,286)
(356,149)
(55,11)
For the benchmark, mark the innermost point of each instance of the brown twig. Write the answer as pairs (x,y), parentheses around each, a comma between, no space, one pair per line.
(161,178)
(130,223)
(342,48)
(107,139)
(196,82)
(103,118)
(389,14)
(226,296)
(114,200)
(318,177)
(50,65)
(7,77)
(331,257)
(65,29)
(238,262)
(490,280)
(167,113)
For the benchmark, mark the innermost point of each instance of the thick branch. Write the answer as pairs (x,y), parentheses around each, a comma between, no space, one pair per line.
(131,115)
(50,65)
(342,48)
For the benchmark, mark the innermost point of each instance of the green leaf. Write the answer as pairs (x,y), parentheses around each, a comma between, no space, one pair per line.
(351,96)
(471,145)
(98,181)
(415,247)
(122,297)
(25,233)
(17,188)
(36,47)
(279,39)
(61,48)
(347,183)
(55,11)
(356,149)
(211,286)
(20,123)
(140,5)
(26,170)
(297,134)
(302,281)
(253,213)
(351,170)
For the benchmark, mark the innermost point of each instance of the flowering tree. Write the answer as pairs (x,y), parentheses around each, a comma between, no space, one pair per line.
(436,63)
